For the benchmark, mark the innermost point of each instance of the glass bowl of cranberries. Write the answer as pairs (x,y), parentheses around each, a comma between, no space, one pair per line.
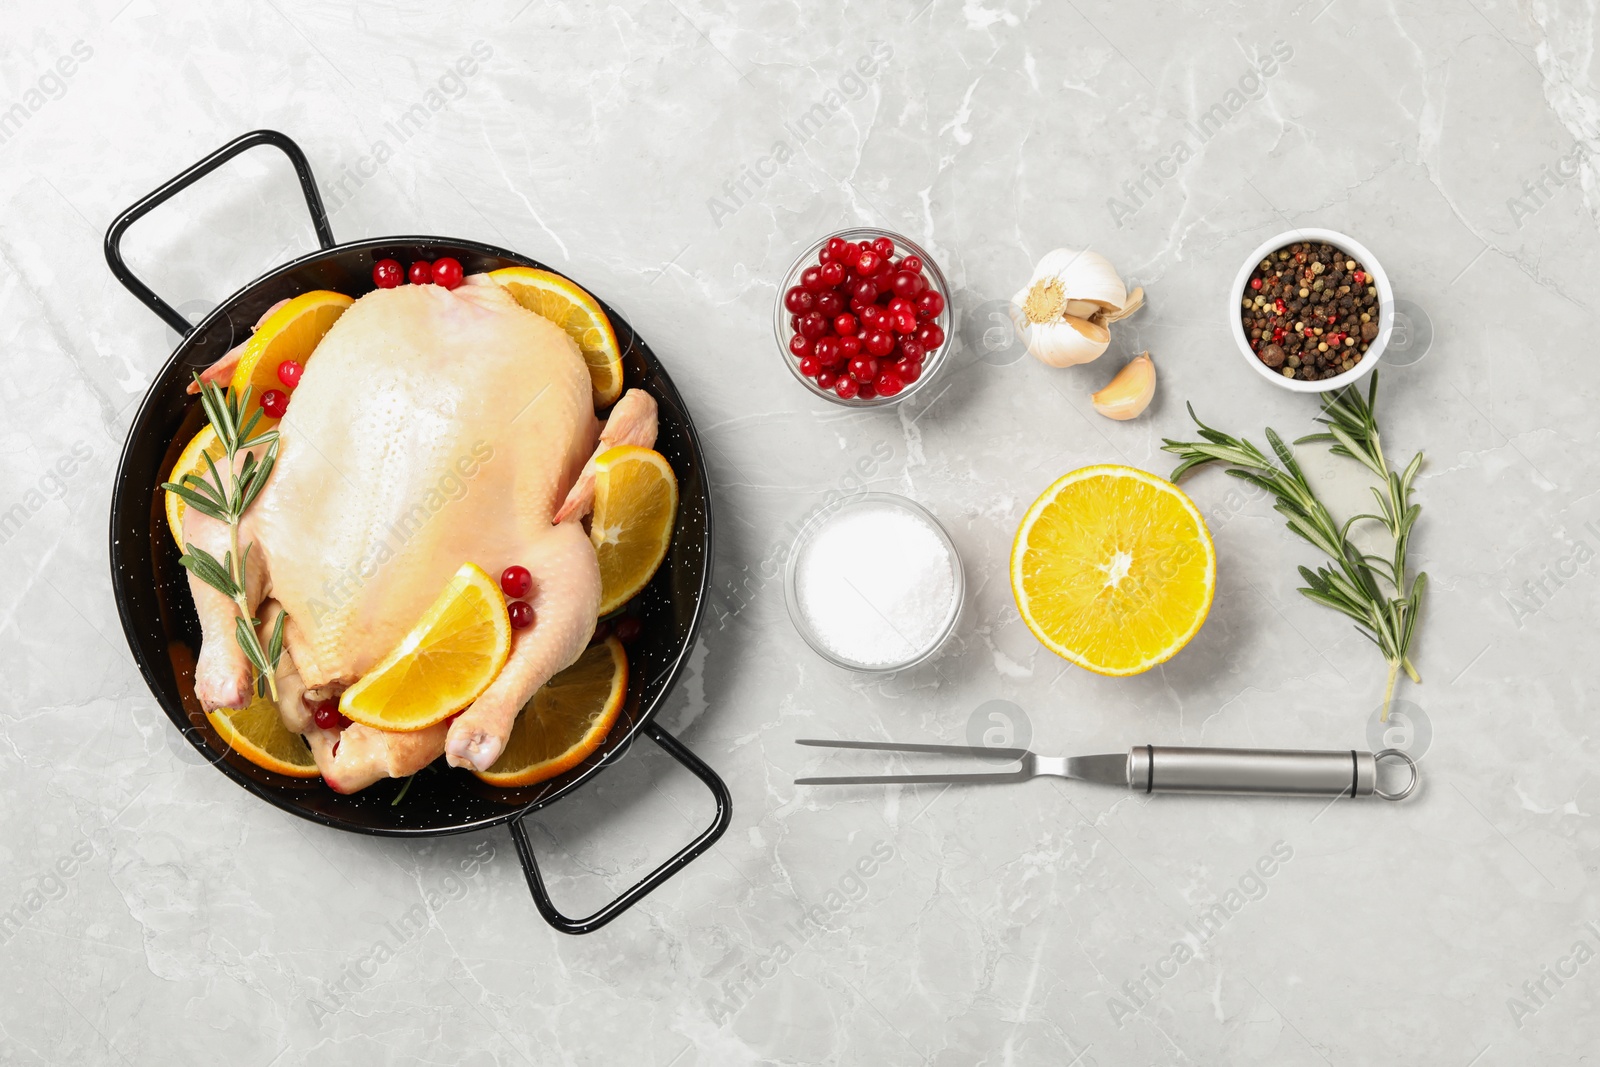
(863,318)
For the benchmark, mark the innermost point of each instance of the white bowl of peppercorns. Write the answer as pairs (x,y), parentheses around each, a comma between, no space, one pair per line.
(1312,310)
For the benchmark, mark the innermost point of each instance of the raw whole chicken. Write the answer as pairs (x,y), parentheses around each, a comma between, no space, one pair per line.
(433,427)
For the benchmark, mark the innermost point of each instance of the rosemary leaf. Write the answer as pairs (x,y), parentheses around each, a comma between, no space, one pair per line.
(209,569)
(275,642)
(193,498)
(245,631)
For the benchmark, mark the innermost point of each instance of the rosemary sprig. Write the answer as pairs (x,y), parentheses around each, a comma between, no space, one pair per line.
(226,500)
(1377,593)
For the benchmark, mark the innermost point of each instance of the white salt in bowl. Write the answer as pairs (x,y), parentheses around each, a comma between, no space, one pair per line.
(873,583)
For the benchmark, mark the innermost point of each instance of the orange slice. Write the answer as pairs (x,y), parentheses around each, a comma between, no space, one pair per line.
(1113,569)
(566,720)
(257,733)
(190,461)
(635,506)
(449,657)
(291,332)
(564,303)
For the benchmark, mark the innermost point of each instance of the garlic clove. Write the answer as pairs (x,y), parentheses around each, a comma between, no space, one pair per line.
(1129,393)
(1134,302)
(1090,329)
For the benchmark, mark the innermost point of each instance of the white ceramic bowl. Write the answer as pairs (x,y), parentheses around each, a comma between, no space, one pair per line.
(1357,251)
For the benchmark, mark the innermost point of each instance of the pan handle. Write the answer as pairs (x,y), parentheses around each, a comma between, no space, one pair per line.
(146,295)
(589,924)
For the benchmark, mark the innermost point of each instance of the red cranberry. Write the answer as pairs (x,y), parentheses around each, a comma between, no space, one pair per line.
(274,402)
(910,370)
(827,379)
(515,581)
(899,303)
(447,272)
(884,247)
(903,322)
(628,629)
(810,366)
(387,273)
(879,342)
(930,336)
(521,613)
(835,247)
(912,264)
(871,262)
(929,304)
(910,349)
(906,285)
(800,344)
(866,391)
(850,255)
(327,716)
(847,387)
(863,368)
(813,325)
(421,272)
(325,712)
(289,372)
(844,325)
(888,383)
(865,290)
(849,347)
(830,303)
(798,300)
(811,278)
(826,350)
(832,273)
(872,317)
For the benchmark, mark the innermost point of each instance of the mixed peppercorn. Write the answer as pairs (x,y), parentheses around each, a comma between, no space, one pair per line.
(1310,311)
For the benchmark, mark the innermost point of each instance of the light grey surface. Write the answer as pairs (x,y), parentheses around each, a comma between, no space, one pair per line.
(997,925)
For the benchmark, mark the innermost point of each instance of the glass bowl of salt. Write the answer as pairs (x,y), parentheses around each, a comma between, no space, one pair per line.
(873,583)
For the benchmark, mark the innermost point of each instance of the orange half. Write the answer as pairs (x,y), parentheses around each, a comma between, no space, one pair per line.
(1113,569)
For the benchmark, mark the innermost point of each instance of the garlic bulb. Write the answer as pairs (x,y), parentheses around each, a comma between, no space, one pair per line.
(1128,394)
(1065,311)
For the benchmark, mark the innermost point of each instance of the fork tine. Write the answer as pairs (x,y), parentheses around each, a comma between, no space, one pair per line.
(917,779)
(891,746)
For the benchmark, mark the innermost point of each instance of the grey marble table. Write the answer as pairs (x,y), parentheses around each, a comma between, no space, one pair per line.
(674,157)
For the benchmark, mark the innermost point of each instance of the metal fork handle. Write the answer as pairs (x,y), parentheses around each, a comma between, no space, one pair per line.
(1260,771)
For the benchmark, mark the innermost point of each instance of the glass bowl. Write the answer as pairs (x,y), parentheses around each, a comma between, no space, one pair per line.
(821,518)
(903,246)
